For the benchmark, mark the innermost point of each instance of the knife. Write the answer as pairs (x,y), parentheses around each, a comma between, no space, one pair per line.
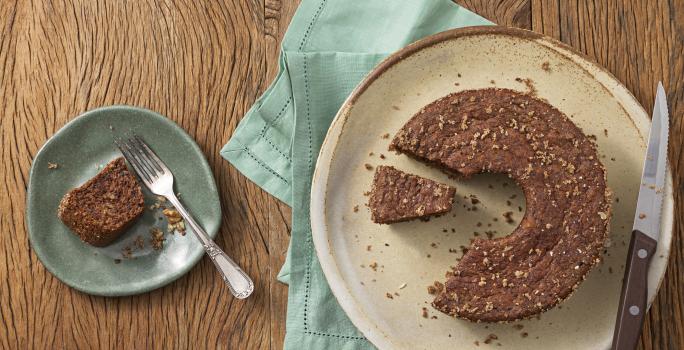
(632,307)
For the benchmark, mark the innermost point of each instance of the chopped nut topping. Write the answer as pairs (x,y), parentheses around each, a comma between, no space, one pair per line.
(175,220)
(464,122)
(172,215)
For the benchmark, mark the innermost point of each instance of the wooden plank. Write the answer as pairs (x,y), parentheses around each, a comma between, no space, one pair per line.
(513,13)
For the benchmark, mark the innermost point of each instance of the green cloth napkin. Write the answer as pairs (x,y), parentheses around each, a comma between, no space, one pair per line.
(328,48)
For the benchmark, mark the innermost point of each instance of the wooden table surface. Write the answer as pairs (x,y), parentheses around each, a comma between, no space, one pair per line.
(203,64)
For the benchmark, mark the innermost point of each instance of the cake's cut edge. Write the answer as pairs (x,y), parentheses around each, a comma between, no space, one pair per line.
(397,196)
(101,209)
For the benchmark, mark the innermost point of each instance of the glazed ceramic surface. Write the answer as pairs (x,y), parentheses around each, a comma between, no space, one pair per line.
(80,149)
(411,256)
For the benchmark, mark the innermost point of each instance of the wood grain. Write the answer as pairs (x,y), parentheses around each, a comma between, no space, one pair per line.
(203,64)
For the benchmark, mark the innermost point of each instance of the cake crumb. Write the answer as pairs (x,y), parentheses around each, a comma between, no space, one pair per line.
(385,136)
(395,108)
(642,216)
(374,266)
(389,295)
(369,247)
(425,312)
(139,242)
(52,166)
(509,217)
(371,154)
(157,238)
(490,337)
(432,290)
(524,334)
(439,286)
(356,208)
(382,156)
(127,252)
(368,166)
(546,66)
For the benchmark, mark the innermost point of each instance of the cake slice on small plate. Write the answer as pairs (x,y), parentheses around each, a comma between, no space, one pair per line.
(398,196)
(101,209)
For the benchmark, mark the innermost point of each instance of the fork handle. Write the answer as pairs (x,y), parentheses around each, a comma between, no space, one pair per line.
(240,285)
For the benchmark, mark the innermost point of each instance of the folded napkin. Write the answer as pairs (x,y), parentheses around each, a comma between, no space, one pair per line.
(328,48)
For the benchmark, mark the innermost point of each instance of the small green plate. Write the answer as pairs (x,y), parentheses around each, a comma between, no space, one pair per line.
(80,149)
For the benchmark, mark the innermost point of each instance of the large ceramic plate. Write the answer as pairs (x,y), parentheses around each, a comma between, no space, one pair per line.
(418,253)
(80,149)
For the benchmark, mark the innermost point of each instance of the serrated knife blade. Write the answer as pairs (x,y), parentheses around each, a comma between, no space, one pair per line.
(651,192)
(644,242)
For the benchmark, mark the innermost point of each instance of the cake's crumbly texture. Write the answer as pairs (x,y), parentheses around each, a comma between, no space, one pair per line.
(397,196)
(562,235)
(100,210)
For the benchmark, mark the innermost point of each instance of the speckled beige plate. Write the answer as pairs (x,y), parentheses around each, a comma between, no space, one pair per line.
(410,256)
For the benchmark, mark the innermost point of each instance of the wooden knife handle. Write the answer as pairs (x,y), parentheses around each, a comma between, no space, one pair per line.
(632,307)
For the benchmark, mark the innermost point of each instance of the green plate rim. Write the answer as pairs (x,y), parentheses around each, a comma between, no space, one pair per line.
(55,270)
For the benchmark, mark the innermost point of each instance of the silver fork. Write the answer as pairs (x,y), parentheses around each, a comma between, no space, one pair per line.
(158,178)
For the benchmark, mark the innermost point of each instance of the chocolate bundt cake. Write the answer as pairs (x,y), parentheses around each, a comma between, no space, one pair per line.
(562,235)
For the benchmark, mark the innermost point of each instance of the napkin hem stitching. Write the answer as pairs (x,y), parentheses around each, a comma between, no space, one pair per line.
(307,34)
(270,124)
(266,167)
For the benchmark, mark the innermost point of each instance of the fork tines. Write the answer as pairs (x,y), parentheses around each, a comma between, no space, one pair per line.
(145,162)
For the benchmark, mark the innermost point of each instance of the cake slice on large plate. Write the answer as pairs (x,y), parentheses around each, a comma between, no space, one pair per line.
(398,196)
